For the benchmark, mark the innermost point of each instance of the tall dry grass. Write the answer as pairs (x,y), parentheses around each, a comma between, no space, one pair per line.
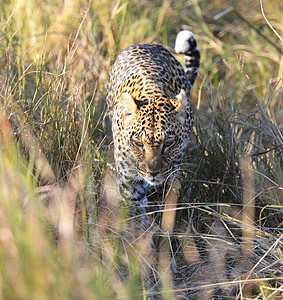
(55,57)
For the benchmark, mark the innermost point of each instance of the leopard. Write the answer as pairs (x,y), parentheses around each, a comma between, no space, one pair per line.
(148,97)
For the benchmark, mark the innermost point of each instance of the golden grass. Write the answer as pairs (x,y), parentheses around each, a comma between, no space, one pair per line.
(55,57)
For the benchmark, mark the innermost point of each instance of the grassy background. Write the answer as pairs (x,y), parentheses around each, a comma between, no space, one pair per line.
(55,57)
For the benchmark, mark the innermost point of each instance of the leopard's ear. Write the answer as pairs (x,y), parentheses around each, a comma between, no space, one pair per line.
(128,106)
(180,102)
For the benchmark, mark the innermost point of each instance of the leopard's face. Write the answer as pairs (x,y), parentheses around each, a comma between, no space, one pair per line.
(156,135)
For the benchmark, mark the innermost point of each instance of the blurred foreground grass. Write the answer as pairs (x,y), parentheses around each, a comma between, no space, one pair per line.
(54,60)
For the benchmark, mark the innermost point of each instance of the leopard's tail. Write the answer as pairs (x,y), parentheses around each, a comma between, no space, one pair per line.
(187,45)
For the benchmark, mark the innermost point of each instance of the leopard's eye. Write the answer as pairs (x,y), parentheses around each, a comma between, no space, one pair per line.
(168,143)
(137,144)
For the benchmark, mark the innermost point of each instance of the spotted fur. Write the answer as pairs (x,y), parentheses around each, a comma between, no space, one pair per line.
(148,94)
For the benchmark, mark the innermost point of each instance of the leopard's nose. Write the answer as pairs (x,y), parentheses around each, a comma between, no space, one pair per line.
(152,162)
(153,174)
(153,170)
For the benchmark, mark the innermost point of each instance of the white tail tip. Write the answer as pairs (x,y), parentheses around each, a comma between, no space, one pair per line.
(182,44)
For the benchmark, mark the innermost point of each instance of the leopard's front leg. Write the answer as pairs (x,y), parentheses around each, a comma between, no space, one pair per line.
(134,196)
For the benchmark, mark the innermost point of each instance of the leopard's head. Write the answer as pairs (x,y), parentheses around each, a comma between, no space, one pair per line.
(157,133)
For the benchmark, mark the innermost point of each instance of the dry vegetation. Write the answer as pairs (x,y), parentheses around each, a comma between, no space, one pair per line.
(54,60)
